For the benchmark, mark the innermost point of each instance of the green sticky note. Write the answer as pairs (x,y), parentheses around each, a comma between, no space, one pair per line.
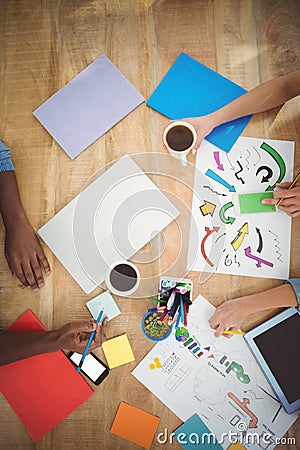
(251,203)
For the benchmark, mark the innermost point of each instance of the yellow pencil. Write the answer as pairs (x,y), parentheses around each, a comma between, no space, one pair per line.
(290,187)
(233,332)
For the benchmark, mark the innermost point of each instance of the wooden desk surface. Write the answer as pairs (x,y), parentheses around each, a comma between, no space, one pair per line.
(43,45)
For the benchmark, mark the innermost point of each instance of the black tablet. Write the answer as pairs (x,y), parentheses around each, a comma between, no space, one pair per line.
(275,345)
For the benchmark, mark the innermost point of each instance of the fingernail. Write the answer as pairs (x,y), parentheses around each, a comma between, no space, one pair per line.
(48,272)
(41,284)
(264,202)
(36,289)
(93,326)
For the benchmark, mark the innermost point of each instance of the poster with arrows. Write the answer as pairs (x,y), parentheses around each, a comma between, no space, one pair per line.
(223,240)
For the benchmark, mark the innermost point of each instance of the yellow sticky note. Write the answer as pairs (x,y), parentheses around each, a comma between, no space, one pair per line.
(117,351)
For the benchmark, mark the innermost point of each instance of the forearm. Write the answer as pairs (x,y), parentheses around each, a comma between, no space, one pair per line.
(19,345)
(9,195)
(262,98)
(72,336)
(281,296)
(232,313)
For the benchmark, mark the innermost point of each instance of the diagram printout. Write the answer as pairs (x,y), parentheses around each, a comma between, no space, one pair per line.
(218,379)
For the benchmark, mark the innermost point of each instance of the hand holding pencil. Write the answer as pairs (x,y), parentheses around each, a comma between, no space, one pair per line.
(93,339)
(75,335)
(287,199)
(228,317)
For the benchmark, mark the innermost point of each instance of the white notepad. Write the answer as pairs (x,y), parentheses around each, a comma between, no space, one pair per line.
(88,106)
(106,302)
(109,221)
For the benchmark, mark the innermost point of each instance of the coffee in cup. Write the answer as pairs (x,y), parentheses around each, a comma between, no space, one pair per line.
(179,138)
(122,278)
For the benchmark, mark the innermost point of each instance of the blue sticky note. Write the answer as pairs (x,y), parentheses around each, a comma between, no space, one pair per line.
(105,301)
(194,434)
(191,89)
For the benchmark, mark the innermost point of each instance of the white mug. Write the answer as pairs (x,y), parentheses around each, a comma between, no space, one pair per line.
(178,153)
(122,278)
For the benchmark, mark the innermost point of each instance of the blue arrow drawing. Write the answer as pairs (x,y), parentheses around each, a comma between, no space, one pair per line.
(211,174)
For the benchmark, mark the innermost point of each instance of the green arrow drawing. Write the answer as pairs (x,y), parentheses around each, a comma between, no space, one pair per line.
(281,164)
(222,213)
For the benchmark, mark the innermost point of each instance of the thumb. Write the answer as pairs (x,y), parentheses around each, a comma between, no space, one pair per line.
(229,336)
(269,201)
(219,331)
(197,145)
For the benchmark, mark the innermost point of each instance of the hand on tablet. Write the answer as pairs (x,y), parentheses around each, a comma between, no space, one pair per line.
(74,336)
(228,316)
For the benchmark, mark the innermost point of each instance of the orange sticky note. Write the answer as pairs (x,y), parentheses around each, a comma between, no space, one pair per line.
(135,425)
(236,446)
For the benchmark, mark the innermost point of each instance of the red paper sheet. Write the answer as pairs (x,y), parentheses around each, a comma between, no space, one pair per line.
(43,389)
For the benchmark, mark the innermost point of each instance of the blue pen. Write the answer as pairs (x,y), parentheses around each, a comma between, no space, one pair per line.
(87,347)
(181,309)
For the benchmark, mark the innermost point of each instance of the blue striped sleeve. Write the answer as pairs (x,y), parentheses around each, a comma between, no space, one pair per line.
(5,159)
(295,283)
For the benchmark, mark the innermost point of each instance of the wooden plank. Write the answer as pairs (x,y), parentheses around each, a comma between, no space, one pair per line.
(27,76)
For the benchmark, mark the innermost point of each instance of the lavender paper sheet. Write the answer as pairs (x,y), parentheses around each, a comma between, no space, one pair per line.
(88,106)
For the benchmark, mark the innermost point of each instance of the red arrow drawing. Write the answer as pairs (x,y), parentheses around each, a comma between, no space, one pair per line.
(208,233)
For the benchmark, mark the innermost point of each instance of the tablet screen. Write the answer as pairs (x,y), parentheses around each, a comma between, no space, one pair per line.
(279,347)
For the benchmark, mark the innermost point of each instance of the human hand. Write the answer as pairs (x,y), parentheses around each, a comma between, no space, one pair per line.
(229,316)
(25,256)
(75,335)
(291,199)
(203,126)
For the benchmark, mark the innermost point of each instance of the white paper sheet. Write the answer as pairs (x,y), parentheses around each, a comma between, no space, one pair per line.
(88,106)
(113,218)
(203,382)
(262,240)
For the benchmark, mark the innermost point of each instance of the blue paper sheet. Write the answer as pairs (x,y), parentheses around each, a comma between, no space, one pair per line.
(191,89)
(194,434)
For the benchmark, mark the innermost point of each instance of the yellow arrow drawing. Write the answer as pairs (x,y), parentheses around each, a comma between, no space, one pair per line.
(207,208)
(237,241)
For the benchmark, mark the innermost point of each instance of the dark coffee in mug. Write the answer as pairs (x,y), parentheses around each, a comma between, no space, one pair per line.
(123,277)
(179,138)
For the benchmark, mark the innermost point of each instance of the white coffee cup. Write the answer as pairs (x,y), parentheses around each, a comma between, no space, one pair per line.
(177,141)
(122,278)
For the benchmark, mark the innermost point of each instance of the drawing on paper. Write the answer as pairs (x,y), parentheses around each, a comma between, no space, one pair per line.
(256,244)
